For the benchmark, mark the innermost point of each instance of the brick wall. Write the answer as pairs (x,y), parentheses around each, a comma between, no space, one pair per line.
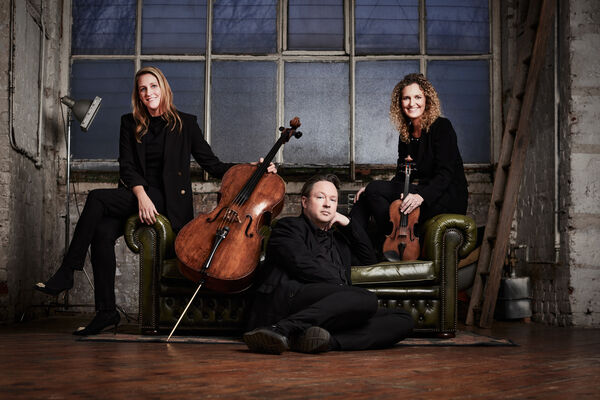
(30,220)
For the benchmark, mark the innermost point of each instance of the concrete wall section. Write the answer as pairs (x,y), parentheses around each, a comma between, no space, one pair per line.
(5,176)
(584,162)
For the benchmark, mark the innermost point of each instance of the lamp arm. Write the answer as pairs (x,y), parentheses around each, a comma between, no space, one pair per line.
(68,179)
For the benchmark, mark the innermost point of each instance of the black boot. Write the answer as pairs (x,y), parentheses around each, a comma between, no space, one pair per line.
(313,340)
(61,280)
(269,340)
(102,320)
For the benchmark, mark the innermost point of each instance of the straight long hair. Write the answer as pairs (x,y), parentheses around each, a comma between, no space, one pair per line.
(140,112)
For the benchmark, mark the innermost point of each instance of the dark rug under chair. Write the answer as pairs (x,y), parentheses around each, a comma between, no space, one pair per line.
(463,338)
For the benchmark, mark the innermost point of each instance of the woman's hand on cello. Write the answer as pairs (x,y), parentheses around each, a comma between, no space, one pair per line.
(360,191)
(271,169)
(411,202)
(147,211)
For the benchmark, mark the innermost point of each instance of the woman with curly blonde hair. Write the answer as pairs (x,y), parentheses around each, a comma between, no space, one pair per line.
(438,183)
(155,146)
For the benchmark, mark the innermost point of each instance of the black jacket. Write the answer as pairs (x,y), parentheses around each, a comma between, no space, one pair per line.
(291,262)
(440,171)
(176,164)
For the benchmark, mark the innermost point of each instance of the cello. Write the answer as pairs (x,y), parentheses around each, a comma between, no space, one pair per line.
(228,238)
(402,243)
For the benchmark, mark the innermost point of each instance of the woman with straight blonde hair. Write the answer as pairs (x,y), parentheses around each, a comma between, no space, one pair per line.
(438,183)
(155,145)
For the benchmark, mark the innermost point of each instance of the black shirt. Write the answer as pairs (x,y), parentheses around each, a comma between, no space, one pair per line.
(327,252)
(155,144)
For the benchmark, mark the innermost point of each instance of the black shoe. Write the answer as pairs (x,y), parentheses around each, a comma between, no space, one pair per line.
(269,340)
(313,340)
(102,320)
(61,280)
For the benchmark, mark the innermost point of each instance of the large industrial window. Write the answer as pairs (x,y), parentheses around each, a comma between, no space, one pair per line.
(246,67)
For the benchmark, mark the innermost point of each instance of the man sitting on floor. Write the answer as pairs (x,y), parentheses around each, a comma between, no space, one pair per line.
(305,300)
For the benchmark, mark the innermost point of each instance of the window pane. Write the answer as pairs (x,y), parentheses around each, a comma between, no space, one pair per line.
(244,125)
(460,28)
(376,139)
(103,27)
(316,25)
(113,82)
(387,27)
(187,83)
(463,87)
(174,28)
(245,26)
(318,93)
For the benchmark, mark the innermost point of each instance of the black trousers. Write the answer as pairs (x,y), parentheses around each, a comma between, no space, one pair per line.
(100,225)
(349,313)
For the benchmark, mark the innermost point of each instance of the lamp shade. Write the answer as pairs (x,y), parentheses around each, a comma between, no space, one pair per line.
(83,110)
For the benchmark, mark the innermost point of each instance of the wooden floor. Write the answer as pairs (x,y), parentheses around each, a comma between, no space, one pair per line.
(43,360)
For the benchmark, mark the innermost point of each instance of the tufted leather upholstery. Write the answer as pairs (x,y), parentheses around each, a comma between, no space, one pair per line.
(426,288)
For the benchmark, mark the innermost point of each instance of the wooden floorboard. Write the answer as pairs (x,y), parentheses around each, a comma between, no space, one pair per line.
(43,360)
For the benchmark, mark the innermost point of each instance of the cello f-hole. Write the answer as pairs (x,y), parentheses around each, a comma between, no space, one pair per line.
(216,216)
(248,216)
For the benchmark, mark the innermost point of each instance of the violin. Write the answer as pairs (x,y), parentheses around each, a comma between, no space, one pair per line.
(402,243)
(221,249)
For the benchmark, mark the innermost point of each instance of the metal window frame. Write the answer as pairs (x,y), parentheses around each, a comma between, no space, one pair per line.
(283,56)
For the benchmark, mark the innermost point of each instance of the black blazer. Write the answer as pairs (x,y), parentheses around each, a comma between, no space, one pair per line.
(440,171)
(176,164)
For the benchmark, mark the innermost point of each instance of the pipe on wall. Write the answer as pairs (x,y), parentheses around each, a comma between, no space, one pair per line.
(34,157)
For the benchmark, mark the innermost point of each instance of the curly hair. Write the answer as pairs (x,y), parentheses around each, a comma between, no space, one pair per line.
(140,112)
(432,111)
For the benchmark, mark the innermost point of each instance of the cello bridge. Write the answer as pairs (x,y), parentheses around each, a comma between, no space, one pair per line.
(232,216)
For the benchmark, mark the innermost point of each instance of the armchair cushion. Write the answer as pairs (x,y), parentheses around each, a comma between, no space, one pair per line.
(392,273)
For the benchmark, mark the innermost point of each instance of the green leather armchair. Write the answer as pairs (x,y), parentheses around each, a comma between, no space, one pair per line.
(426,288)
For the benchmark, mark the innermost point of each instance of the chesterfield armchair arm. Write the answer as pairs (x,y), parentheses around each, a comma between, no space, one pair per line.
(426,288)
